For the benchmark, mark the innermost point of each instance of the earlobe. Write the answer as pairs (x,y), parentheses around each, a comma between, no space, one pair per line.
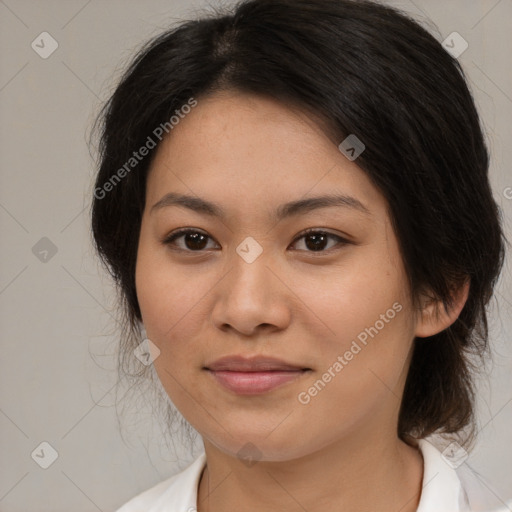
(433,317)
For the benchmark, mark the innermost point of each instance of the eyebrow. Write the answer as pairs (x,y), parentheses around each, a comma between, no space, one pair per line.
(298,207)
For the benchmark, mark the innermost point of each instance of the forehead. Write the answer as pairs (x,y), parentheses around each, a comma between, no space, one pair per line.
(238,147)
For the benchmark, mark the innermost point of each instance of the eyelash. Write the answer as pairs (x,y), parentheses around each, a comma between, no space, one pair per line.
(169,239)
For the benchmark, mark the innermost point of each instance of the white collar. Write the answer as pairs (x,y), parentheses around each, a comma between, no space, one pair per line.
(444,489)
(441,487)
(181,493)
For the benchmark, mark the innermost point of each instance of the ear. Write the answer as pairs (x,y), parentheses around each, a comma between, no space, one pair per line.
(433,317)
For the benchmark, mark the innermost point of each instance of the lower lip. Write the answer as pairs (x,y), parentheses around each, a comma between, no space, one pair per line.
(254,383)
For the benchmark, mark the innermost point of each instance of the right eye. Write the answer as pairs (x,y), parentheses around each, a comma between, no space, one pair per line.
(193,240)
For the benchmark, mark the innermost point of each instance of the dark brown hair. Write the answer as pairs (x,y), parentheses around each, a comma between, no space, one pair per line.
(365,69)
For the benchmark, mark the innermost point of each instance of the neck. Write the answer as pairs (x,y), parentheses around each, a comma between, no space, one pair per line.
(370,474)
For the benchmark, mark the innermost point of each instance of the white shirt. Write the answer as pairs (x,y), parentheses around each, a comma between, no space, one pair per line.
(446,488)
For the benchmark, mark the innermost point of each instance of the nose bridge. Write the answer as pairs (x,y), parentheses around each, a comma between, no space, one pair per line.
(250,294)
(250,275)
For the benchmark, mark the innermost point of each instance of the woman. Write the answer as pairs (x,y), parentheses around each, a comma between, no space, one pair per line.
(293,199)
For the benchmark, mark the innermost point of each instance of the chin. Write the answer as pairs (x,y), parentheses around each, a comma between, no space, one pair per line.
(251,447)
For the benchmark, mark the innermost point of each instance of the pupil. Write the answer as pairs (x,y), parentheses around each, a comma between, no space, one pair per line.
(195,239)
(318,244)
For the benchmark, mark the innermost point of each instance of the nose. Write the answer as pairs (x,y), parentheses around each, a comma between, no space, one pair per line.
(251,297)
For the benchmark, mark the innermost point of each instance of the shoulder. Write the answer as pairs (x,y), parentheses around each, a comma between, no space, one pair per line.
(177,493)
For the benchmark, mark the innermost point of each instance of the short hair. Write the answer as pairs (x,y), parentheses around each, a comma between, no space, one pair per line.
(361,68)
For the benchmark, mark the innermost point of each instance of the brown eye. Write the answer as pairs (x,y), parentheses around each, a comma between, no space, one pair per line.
(317,241)
(193,240)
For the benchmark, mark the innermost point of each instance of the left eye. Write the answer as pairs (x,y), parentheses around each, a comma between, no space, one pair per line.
(316,240)
(196,241)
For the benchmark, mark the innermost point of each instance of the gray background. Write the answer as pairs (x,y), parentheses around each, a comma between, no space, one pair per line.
(57,327)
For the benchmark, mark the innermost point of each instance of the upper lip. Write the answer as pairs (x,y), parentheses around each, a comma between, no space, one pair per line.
(252,364)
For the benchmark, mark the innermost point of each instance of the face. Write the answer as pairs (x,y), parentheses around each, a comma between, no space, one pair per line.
(332,304)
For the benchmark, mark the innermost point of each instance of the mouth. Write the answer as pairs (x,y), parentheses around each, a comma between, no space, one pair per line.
(253,376)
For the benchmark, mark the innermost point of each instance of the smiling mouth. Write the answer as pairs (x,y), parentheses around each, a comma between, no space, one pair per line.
(254,382)
(254,374)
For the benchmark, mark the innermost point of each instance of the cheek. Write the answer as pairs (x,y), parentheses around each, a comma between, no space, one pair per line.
(353,295)
(361,373)
(174,307)
(169,306)
(366,306)
(167,297)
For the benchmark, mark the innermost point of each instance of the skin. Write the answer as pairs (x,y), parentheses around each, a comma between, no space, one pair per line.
(340,451)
